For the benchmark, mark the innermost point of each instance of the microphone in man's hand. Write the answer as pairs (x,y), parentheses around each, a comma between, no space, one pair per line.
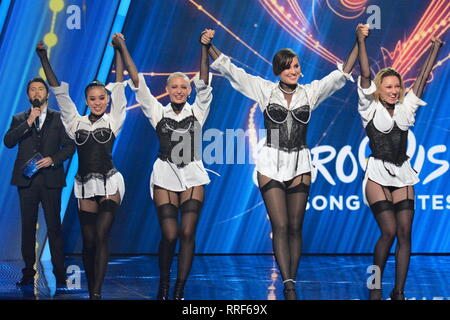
(36,104)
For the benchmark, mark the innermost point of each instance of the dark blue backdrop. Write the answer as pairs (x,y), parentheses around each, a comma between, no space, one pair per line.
(163,37)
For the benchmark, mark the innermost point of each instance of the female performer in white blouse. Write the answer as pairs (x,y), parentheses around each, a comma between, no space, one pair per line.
(387,113)
(284,163)
(99,187)
(178,176)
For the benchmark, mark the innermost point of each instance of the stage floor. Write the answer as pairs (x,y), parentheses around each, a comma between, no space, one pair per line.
(236,277)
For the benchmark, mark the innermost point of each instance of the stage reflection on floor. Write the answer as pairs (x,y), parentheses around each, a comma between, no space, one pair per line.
(235,277)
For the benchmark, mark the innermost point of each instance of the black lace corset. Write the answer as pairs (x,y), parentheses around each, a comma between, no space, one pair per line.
(178,137)
(94,153)
(286,129)
(390,147)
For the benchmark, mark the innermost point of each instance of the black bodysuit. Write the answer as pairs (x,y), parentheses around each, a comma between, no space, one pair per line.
(390,147)
(171,133)
(95,155)
(286,129)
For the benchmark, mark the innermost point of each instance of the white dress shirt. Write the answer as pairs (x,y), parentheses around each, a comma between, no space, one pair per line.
(42,117)
(73,121)
(166,174)
(272,162)
(404,117)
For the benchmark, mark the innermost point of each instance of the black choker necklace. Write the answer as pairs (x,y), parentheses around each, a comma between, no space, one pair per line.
(94,117)
(389,105)
(177,106)
(293,87)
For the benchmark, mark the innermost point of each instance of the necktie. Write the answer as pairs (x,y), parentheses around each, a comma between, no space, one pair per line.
(36,122)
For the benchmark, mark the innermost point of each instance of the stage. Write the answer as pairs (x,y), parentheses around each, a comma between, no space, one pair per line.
(238,277)
(233,236)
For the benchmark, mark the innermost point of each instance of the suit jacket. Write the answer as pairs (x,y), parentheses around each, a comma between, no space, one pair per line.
(54,143)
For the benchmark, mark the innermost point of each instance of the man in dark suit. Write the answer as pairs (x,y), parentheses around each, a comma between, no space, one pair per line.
(40,130)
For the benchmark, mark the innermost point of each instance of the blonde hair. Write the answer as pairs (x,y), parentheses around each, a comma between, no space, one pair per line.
(176,75)
(386,72)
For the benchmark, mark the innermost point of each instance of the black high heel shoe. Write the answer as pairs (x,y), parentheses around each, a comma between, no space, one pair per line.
(375,294)
(163,291)
(178,293)
(96,296)
(397,295)
(289,290)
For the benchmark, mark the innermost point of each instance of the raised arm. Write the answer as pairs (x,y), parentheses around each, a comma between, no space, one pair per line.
(214,53)
(69,112)
(362,32)
(319,90)
(203,91)
(119,42)
(253,87)
(205,41)
(119,65)
(425,71)
(117,89)
(351,59)
(49,74)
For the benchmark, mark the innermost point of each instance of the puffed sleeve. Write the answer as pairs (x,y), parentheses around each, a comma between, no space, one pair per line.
(409,106)
(319,90)
(366,103)
(69,112)
(253,87)
(151,107)
(203,99)
(118,105)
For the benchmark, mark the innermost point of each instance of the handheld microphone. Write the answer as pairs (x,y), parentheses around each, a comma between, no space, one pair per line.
(36,104)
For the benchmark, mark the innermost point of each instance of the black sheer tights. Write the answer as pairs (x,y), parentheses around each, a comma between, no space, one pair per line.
(393,209)
(167,205)
(286,204)
(96,218)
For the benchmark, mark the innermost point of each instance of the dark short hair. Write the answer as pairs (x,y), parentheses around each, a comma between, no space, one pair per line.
(282,60)
(93,84)
(38,79)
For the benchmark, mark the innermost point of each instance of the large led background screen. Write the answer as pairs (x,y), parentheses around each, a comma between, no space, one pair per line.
(163,37)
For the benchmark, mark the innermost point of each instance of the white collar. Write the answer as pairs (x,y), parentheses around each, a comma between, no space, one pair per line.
(105,118)
(186,109)
(277,96)
(43,113)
